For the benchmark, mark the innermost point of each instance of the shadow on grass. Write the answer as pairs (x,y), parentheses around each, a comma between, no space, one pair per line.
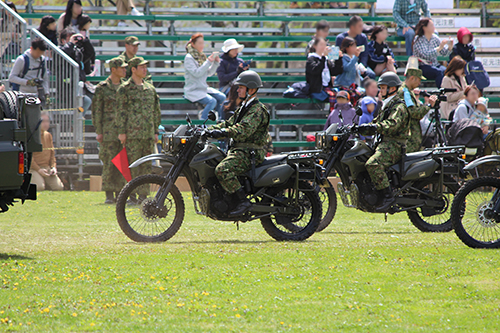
(6,256)
(223,241)
(370,232)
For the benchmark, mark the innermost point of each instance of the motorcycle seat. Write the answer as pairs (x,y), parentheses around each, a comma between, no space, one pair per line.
(418,155)
(275,159)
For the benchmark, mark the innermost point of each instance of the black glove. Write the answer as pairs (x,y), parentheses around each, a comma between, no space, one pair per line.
(216,134)
(367,129)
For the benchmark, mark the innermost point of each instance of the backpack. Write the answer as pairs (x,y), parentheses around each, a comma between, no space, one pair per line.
(297,90)
(26,68)
(492,143)
(475,73)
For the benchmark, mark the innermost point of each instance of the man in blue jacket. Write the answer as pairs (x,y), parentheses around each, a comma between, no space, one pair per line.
(355,31)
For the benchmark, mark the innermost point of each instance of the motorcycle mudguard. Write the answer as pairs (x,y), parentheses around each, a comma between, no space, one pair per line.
(152,157)
(485,159)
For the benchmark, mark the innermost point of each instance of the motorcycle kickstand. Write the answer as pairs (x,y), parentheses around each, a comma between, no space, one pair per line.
(237,225)
(385,217)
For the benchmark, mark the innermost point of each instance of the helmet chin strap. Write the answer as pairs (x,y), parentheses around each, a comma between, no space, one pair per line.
(388,94)
(247,96)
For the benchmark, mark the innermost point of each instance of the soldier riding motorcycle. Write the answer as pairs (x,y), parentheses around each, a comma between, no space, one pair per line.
(240,187)
(387,180)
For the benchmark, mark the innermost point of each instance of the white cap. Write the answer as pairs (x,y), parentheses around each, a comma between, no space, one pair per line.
(231,44)
(483,101)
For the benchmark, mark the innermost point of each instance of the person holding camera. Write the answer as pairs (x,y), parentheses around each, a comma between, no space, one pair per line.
(230,65)
(29,74)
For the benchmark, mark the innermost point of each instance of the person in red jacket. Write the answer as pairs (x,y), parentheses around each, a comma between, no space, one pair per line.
(464,47)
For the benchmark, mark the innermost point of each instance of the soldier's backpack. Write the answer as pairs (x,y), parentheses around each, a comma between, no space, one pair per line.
(26,68)
(475,73)
(492,143)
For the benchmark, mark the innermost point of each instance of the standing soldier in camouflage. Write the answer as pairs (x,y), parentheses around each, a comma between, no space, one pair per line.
(393,124)
(415,107)
(249,129)
(138,117)
(104,108)
(131,47)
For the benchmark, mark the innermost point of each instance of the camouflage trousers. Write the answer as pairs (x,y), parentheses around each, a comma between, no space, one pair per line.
(386,154)
(135,150)
(112,179)
(237,162)
(415,139)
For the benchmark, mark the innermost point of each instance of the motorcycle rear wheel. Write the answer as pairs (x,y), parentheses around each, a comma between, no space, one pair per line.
(328,198)
(138,216)
(472,216)
(300,225)
(440,222)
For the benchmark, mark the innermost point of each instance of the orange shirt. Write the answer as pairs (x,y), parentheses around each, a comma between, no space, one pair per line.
(47,157)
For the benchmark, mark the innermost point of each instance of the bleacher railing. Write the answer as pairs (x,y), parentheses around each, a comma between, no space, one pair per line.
(66,101)
(13,40)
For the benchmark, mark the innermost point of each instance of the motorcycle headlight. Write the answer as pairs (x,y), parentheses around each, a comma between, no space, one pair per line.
(167,143)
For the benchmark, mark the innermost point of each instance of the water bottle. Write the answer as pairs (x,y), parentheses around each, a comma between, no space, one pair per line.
(334,53)
(97,67)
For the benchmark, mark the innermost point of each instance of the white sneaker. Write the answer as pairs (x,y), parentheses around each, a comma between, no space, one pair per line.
(135,12)
(122,24)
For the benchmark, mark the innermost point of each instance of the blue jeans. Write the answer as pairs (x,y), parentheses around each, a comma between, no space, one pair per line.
(87,102)
(409,35)
(433,73)
(213,101)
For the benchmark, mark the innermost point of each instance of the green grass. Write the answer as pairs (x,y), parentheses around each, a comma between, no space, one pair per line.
(66,266)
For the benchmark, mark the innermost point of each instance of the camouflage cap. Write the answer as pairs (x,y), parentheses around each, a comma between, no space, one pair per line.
(415,72)
(117,62)
(132,40)
(137,61)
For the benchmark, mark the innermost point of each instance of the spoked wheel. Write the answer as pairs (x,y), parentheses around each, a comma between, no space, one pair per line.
(328,198)
(302,218)
(436,219)
(141,218)
(472,213)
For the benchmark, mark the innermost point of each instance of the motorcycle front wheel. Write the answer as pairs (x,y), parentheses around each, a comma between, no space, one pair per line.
(303,220)
(472,214)
(436,220)
(328,198)
(140,218)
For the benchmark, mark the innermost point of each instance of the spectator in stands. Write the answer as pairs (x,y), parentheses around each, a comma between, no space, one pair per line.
(466,106)
(453,78)
(232,102)
(464,47)
(371,90)
(481,115)
(75,49)
(343,113)
(351,69)
(355,31)
(30,67)
(407,14)
(380,56)
(43,164)
(70,17)
(197,68)
(322,31)
(320,72)
(230,65)
(88,58)
(368,106)
(123,7)
(48,27)
(426,46)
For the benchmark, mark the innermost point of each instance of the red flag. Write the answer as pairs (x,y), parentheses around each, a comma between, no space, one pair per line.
(121,163)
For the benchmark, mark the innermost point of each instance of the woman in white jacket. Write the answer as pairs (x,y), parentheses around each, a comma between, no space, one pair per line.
(197,67)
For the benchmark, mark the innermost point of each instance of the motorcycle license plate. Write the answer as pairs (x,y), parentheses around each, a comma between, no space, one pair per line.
(470,151)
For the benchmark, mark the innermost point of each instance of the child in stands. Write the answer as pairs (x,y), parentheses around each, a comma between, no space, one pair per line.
(343,113)
(380,56)
(464,47)
(368,105)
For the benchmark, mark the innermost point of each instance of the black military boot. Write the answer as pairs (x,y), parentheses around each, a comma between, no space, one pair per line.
(243,205)
(387,200)
(110,199)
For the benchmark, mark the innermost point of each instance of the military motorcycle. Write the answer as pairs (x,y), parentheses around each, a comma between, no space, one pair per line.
(281,190)
(475,211)
(424,183)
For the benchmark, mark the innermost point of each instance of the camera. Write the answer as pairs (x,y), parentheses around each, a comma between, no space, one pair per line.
(79,41)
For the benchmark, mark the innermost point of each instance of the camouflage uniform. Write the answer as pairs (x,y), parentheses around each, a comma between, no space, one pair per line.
(251,130)
(138,117)
(103,117)
(394,127)
(417,112)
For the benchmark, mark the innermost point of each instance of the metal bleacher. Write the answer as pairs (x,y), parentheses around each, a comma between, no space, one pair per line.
(275,36)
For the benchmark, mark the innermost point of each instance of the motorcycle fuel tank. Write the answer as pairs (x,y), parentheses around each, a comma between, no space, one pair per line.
(420,169)
(275,175)
(205,161)
(356,157)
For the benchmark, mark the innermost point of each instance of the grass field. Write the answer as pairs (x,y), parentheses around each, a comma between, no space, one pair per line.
(66,266)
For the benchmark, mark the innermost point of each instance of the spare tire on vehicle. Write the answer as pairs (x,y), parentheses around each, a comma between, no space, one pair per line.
(9,105)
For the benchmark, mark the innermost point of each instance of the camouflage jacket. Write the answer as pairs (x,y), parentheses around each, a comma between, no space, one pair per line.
(138,113)
(393,121)
(126,59)
(253,127)
(104,107)
(415,107)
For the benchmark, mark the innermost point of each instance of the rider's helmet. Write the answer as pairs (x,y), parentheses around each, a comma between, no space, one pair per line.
(389,79)
(249,79)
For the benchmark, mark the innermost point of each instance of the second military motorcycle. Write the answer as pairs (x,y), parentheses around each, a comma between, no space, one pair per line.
(150,208)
